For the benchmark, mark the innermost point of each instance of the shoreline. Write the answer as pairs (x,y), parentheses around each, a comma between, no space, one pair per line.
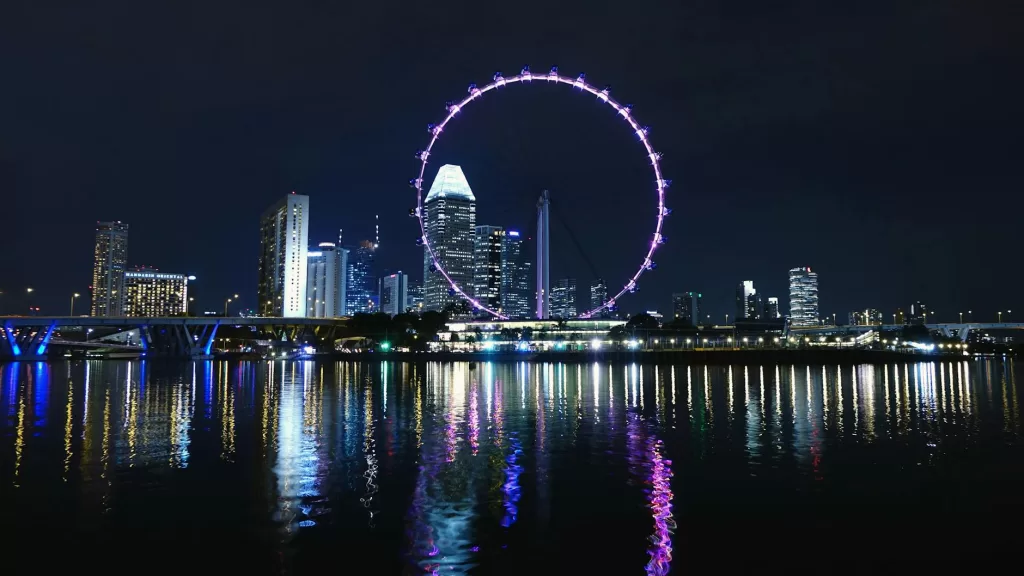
(722,357)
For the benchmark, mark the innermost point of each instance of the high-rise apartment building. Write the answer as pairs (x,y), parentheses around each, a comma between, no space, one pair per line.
(110,261)
(327,278)
(516,292)
(450,222)
(771,309)
(563,299)
(686,307)
(361,287)
(803,297)
(487,257)
(394,294)
(748,303)
(150,293)
(599,296)
(284,241)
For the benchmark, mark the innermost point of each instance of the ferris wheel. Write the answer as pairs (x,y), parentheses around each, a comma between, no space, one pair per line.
(579,84)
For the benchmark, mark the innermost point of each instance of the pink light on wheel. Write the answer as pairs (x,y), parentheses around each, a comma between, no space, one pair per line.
(578,84)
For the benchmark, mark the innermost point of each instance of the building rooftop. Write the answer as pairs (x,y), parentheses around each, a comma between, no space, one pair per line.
(450,182)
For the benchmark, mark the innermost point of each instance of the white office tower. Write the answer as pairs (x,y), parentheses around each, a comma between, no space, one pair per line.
(450,221)
(803,297)
(326,281)
(284,232)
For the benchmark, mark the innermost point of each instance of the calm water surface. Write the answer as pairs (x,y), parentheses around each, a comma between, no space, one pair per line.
(393,468)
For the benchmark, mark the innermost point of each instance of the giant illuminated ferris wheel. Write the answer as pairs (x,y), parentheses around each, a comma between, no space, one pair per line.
(579,84)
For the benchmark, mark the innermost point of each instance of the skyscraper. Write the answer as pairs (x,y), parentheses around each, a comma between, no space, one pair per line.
(771,309)
(515,277)
(450,220)
(487,256)
(747,301)
(803,297)
(563,299)
(327,279)
(686,307)
(598,296)
(284,241)
(415,296)
(151,293)
(110,259)
(543,255)
(918,313)
(361,285)
(394,294)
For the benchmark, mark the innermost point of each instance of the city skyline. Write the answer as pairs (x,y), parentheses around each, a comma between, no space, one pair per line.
(757,143)
(113,236)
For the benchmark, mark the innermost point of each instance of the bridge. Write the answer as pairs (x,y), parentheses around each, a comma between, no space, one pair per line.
(949,330)
(28,337)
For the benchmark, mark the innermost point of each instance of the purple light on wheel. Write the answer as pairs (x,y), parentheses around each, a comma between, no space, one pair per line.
(579,83)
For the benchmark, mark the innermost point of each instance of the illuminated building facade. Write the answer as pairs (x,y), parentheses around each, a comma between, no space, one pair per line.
(803,297)
(361,290)
(394,294)
(563,299)
(748,302)
(110,261)
(516,293)
(686,307)
(284,233)
(326,281)
(869,317)
(450,222)
(771,309)
(918,314)
(598,296)
(487,268)
(149,293)
(415,296)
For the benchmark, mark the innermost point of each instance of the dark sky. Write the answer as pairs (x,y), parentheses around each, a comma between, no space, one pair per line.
(878,142)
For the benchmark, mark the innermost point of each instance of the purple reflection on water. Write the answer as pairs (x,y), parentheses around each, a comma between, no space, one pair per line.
(660,501)
(646,460)
(511,487)
(474,419)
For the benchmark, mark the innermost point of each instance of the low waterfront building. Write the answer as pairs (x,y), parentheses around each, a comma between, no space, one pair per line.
(534,335)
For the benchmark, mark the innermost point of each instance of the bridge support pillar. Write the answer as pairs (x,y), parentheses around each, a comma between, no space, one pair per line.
(28,342)
(179,340)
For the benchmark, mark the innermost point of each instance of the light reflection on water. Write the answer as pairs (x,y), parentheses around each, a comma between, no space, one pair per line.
(479,466)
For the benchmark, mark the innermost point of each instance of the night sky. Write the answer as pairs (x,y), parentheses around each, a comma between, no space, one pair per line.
(878,142)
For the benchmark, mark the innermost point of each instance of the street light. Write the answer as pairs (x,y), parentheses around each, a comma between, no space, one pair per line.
(961,317)
(226,302)
(73,296)
(833,318)
(1000,316)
